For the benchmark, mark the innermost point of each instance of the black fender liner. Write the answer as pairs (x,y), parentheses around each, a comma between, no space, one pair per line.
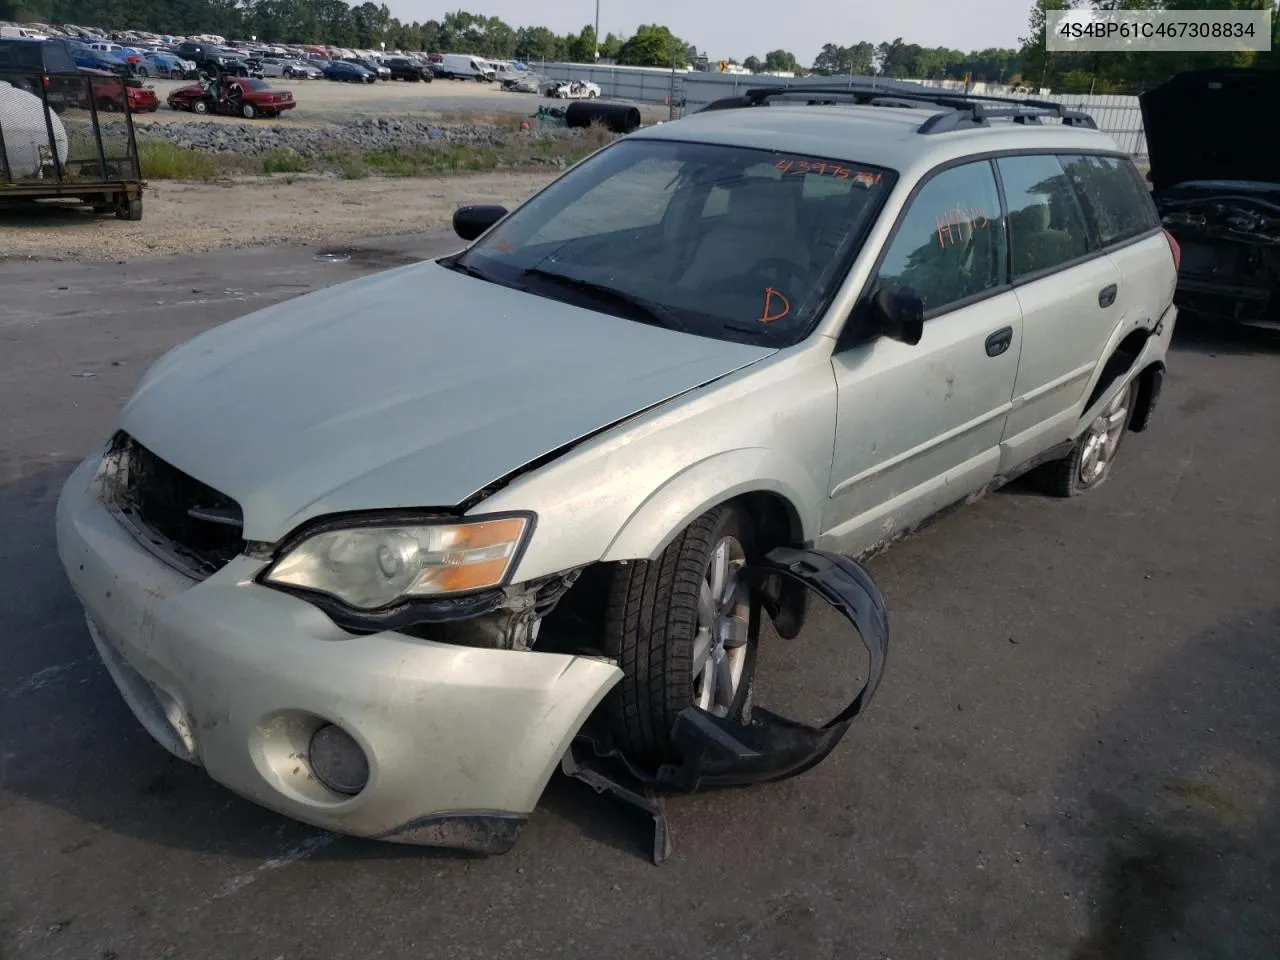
(724,752)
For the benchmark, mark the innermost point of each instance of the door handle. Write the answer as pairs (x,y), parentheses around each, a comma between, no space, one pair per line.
(1107,296)
(999,341)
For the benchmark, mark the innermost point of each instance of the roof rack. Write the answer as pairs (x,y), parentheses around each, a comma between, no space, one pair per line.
(964,110)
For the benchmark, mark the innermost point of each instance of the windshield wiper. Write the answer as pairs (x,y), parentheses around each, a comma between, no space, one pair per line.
(453,263)
(645,311)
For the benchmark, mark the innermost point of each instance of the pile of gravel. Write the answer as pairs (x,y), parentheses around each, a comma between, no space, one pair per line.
(256,138)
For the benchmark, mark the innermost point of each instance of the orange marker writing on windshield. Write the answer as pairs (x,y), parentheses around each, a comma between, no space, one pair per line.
(776,306)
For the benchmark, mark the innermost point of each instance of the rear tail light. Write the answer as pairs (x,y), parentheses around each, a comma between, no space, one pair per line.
(1175,250)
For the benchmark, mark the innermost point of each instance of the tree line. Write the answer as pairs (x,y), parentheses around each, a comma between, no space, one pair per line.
(369,25)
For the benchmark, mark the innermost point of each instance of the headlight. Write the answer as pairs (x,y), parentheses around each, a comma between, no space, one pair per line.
(369,567)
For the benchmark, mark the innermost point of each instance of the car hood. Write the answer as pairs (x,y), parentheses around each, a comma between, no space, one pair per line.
(1211,125)
(416,387)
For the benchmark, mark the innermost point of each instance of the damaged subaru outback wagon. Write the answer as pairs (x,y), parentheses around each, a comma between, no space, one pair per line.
(382,557)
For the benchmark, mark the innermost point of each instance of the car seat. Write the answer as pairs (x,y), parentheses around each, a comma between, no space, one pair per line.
(761,223)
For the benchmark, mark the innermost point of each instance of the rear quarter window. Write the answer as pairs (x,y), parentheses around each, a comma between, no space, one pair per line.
(1118,201)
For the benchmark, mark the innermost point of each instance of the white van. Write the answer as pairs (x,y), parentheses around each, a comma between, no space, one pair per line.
(463,66)
(14,32)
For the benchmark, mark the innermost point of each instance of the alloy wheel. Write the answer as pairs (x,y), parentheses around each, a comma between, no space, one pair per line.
(724,614)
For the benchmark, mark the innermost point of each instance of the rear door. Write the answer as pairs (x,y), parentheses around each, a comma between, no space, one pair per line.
(919,427)
(1068,290)
(1128,227)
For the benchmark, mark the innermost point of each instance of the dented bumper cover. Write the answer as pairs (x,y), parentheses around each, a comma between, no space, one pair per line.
(236,677)
(459,741)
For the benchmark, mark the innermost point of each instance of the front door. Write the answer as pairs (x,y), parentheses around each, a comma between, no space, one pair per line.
(919,427)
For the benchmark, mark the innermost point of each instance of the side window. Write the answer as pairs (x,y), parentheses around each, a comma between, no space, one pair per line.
(1047,227)
(951,244)
(1120,203)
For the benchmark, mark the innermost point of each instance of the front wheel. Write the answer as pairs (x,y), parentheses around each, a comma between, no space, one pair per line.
(248,111)
(1090,461)
(679,627)
(175,74)
(200,106)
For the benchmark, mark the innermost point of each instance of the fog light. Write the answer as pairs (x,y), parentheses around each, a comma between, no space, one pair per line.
(338,761)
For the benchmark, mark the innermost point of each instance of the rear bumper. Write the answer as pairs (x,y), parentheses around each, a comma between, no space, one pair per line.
(1229,301)
(235,677)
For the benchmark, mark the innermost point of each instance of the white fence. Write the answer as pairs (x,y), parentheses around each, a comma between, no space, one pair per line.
(1116,115)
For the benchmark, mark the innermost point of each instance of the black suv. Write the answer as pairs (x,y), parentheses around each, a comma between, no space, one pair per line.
(1215,177)
(213,60)
(30,64)
(402,68)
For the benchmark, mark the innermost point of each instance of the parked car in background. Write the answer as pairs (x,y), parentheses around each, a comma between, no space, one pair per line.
(303,70)
(248,97)
(344,71)
(524,83)
(89,59)
(402,68)
(378,70)
(285,67)
(110,95)
(574,90)
(1215,176)
(156,63)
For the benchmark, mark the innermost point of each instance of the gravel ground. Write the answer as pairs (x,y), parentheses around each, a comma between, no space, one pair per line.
(252,211)
(253,139)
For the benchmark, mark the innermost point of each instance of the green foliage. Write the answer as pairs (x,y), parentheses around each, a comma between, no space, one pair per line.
(284,161)
(654,46)
(165,161)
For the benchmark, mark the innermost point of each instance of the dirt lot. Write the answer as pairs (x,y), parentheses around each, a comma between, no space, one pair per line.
(196,217)
(324,100)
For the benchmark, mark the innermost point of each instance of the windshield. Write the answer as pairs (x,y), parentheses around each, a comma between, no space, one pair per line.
(726,242)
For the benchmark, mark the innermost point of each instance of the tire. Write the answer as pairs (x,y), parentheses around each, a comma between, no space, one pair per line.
(1089,464)
(142,72)
(130,210)
(248,111)
(652,630)
(107,105)
(175,74)
(200,106)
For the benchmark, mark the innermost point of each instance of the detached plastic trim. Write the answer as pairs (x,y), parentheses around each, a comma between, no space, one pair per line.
(725,752)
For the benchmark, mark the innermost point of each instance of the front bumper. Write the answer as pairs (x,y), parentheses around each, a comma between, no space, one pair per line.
(236,677)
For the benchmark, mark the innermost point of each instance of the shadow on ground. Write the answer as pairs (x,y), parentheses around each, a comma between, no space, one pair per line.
(1170,814)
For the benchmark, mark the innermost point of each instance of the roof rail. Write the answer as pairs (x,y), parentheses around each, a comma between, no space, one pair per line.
(964,110)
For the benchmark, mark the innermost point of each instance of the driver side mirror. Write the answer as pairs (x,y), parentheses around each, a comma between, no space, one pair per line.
(899,314)
(470,222)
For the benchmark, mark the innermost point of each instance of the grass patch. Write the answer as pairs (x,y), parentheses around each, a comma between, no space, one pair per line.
(165,161)
(352,167)
(418,161)
(284,161)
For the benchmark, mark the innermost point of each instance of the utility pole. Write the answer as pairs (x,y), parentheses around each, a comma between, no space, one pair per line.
(597,56)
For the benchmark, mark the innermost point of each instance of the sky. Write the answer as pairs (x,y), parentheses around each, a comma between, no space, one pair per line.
(740,28)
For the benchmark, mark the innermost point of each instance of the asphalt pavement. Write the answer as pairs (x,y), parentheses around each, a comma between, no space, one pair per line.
(1075,752)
